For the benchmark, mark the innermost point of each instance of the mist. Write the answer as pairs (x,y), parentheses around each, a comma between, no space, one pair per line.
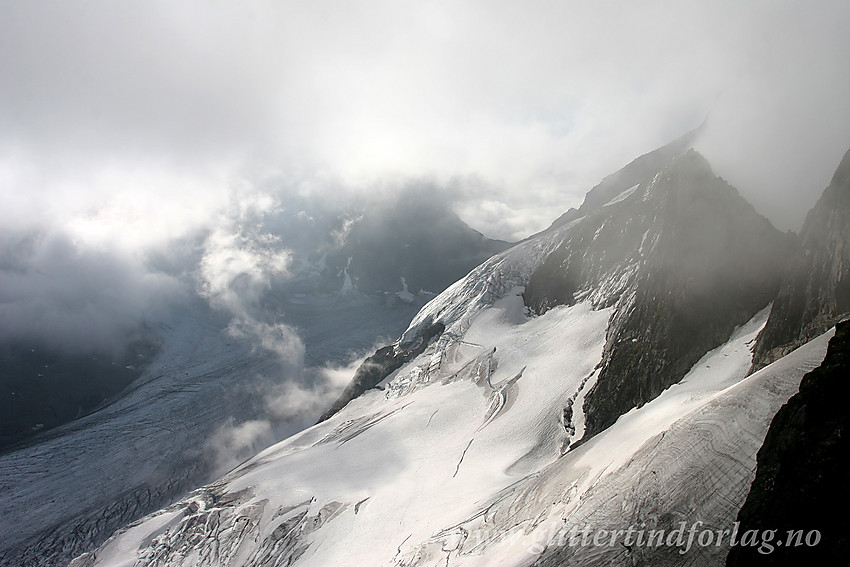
(147,146)
(75,300)
(288,406)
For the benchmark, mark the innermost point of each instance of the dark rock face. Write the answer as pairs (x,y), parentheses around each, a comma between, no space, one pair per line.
(384,362)
(801,478)
(417,237)
(683,259)
(815,291)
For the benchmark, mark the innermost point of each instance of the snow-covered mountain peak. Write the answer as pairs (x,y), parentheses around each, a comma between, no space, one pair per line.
(639,171)
(636,205)
(679,236)
(592,374)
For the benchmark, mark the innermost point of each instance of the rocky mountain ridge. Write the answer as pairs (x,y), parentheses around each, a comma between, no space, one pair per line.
(595,376)
(815,291)
(684,260)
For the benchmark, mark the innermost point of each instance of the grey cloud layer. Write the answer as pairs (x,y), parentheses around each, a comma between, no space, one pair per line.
(539,99)
(127,126)
(75,300)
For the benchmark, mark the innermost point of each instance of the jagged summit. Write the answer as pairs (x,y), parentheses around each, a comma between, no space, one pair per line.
(683,216)
(637,172)
(683,258)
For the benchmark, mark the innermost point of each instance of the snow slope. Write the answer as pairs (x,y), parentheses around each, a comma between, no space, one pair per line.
(460,461)
(417,457)
(218,391)
(462,301)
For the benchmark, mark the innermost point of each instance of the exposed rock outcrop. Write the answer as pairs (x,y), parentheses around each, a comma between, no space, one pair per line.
(801,478)
(384,362)
(683,258)
(815,291)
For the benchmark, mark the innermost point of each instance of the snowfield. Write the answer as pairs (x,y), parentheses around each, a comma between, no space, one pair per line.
(462,458)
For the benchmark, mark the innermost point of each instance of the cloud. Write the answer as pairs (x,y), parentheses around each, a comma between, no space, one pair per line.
(239,263)
(289,406)
(233,442)
(539,99)
(133,130)
(278,338)
(75,299)
(782,123)
(500,220)
(239,258)
(297,401)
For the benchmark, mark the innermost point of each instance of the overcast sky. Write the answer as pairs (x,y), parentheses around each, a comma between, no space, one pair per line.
(126,125)
(152,111)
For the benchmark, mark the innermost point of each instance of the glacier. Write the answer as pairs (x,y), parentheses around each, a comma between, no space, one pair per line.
(463,455)
(477,446)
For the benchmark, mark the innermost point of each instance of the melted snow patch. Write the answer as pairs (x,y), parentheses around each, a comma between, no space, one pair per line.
(347,284)
(405,294)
